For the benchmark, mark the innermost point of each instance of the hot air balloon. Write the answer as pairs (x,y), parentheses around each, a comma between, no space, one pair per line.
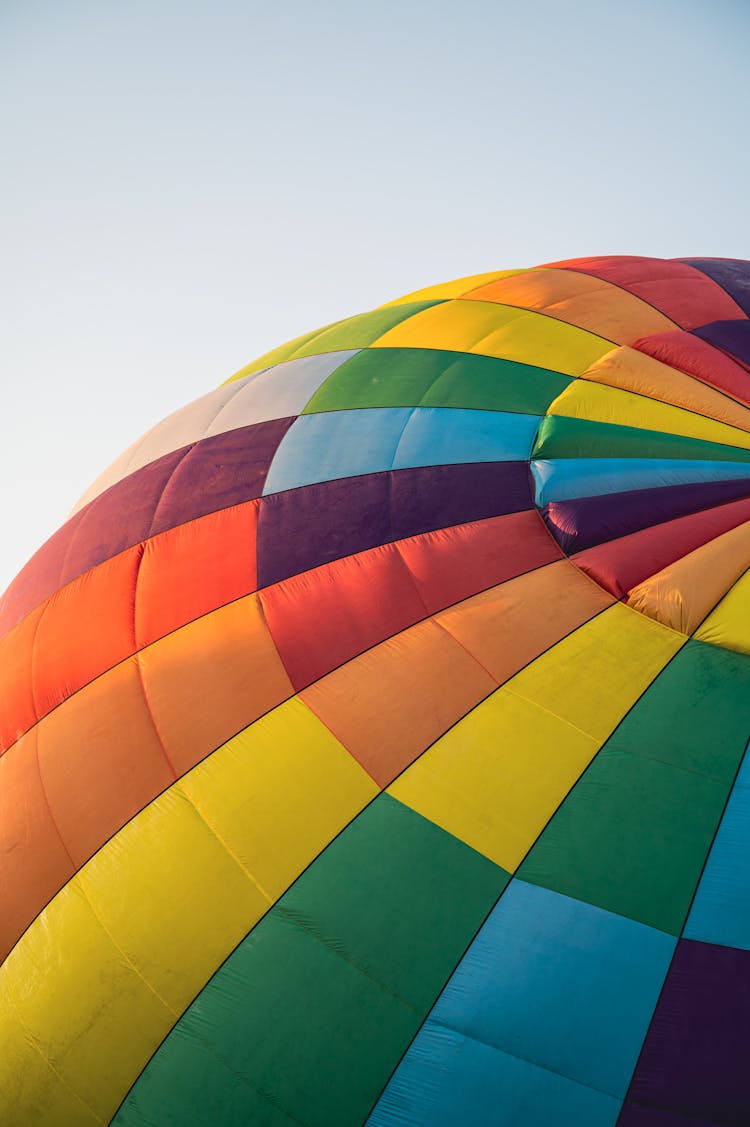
(373,731)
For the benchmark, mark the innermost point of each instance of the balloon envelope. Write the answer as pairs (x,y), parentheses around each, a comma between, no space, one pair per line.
(373,731)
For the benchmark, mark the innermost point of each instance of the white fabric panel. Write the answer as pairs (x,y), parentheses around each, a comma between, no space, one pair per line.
(275,393)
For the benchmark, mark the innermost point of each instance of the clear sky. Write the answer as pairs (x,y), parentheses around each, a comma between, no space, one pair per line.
(187,183)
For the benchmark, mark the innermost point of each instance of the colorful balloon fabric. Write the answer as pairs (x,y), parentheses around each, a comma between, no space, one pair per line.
(373,731)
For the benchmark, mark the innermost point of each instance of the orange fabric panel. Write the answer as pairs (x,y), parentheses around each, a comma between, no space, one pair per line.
(194,568)
(453,563)
(579,299)
(685,592)
(34,863)
(632,370)
(389,704)
(323,617)
(86,627)
(100,759)
(19,711)
(509,626)
(212,678)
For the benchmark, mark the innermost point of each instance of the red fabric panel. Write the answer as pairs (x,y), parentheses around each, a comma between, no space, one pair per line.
(323,617)
(326,616)
(18,712)
(454,563)
(619,565)
(194,568)
(86,627)
(697,358)
(676,289)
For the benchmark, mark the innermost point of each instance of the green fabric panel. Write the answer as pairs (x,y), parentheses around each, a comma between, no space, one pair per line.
(412,377)
(359,331)
(280,354)
(308,1017)
(561,437)
(633,834)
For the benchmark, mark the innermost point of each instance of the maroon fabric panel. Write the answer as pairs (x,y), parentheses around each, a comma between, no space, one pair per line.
(304,528)
(213,474)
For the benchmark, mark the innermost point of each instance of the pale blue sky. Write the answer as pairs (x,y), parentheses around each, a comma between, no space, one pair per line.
(187,184)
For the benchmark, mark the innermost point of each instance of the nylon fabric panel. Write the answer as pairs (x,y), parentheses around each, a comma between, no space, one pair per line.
(683,594)
(695,387)
(384,726)
(588,521)
(561,437)
(320,523)
(601,403)
(633,835)
(449,1078)
(458,288)
(625,562)
(414,377)
(121,914)
(278,355)
(694,1061)
(541,982)
(107,751)
(215,474)
(452,661)
(323,618)
(733,277)
(572,479)
(674,287)
(729,624)
(498,775)
(348,443)
(578,300)
(368,977)
(720,912)
(690,354)
(362,330)
(276,394)
(498,330)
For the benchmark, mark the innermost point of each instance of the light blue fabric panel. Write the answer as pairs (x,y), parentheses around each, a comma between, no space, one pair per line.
(436,436)
(567,478)
(721,909)
(447,1079)
(334,444)
(552,981)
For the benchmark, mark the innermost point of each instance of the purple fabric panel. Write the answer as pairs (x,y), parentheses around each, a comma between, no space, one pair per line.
(730,336)
(304,528)
(633,1115)
(220,471)
(587,521)
(733,275)
(696,1058)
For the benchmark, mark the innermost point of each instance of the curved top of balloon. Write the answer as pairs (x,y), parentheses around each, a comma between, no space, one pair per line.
(372,732)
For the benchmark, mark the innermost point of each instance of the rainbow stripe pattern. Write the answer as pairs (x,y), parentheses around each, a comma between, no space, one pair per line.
(373,732)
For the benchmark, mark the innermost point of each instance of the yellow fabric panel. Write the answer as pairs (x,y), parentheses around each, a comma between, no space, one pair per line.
(631,370)
(583,399)
(126,945)
(489,329)
(496,777)
(580,300)
(457,288)
(499,774)
(592,677)
(729,624)
(277,355)
(682,594)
